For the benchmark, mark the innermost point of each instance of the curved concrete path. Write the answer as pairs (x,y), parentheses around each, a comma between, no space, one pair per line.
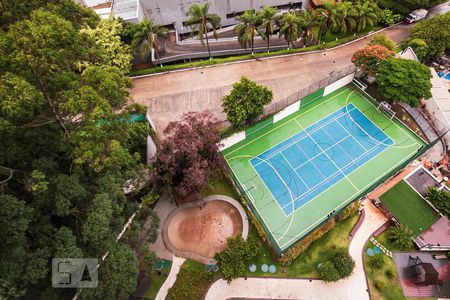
(171,278)
(354,287)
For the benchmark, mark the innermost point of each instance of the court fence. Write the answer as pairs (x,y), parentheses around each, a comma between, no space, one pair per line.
(364,194)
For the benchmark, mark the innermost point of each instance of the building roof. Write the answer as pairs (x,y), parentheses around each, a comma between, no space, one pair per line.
(407,53)
(440,94)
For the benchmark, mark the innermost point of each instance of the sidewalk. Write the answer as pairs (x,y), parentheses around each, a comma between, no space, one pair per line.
(354,287)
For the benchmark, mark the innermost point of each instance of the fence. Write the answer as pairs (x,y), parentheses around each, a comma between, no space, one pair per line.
(332,77)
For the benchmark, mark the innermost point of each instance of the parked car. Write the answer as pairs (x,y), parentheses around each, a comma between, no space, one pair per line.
(416,15)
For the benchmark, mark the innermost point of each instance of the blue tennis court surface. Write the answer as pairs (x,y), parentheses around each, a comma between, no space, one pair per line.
(308,163)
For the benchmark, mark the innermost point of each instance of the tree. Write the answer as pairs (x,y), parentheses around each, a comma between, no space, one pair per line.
(66,244)
(117,276)
(246,102)
(328,272)
(107,46)
(402,236)
(234,259)
(289,28)
(435,32)
(383,40)
(419,47)
(404,80)
(200,20)
(188,155)
(365,14)
(147,35)
(369,58)
(344,21)
(247,29)
(329,13)
(268,16)
(388,18)
(309,21)
(440,200)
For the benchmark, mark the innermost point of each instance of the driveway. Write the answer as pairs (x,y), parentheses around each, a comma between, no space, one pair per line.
(169,95)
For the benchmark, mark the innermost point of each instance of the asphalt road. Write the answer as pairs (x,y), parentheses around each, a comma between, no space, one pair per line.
(169,95)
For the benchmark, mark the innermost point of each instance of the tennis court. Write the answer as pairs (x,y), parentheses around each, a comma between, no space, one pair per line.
(300,170)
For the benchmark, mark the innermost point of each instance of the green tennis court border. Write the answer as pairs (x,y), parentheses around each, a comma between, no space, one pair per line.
(409,207)
(283,231)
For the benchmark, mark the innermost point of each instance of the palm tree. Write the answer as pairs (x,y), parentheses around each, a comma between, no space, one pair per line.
(290,27)
(248,28)
(309,21)
(365,14)
(344,20)
(268,17)
(402,236)
(200,21)
(329,13)
(147,37)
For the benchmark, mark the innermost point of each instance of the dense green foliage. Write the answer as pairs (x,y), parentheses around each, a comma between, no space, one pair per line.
(402,236)
(440,200)
(377,261)
(388,18)
(234,259)
(419,47)
(246,101)
(404,80)
(68,147)
(383,40)
(339,267)
(435,32)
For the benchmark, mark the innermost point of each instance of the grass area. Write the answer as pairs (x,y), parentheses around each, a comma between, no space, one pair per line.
(390,245)
(409,207)
(383,282)
(305,265)
(331,36)
(156,283)
(192,282)
(207,62)
(220,186)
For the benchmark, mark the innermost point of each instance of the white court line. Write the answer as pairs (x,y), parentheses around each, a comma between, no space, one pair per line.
(345,111)
(337,121)
(328,156)
(294,169)
(317,155)
(340,147)
(337,172)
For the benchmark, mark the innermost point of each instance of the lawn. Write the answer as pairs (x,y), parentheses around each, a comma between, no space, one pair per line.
(192,282)
(156,283)
(305,265)
(409,207)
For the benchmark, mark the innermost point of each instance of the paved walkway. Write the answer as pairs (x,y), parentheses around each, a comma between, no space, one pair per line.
(170,95)
(354,287)
(171,278)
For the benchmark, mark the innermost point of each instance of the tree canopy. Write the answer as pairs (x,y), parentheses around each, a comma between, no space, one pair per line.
(435,32)
(404,80)
(246,101)
(188,155)
(369,58)
(68,142)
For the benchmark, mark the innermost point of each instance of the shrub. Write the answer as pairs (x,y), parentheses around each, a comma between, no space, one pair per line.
(389,274)
(383,40)
(343,263)
(388,18)
(401,236)
(350,210)
(298,248)
(377,261)
(328,272)
(440,200)
(380,284)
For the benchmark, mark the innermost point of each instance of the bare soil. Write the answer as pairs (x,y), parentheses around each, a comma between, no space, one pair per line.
(204,229)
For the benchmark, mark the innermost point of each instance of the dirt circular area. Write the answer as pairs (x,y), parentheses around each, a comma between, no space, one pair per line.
(199,231)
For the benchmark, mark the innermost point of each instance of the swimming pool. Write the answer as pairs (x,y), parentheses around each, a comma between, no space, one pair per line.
(441,74)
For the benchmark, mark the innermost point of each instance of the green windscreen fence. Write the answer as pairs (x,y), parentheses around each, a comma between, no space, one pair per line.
(311,97)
